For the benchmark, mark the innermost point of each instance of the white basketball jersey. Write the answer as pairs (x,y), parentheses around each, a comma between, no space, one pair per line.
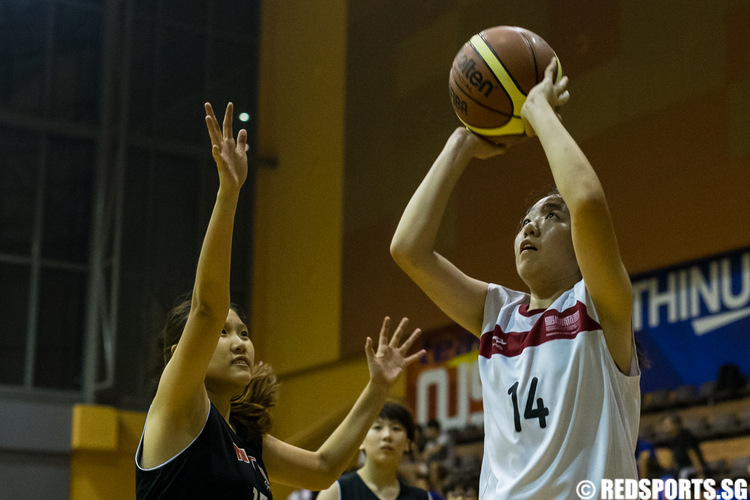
(557,410)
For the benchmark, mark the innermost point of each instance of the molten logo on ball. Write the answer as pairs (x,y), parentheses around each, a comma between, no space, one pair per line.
(491,76)
(473,76)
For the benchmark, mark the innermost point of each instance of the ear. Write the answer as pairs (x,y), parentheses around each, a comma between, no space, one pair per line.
(174,346)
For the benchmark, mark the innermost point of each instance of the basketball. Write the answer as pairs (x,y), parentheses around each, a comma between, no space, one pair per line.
(491,76)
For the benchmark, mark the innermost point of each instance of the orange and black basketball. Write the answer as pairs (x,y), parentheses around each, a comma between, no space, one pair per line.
(491,76)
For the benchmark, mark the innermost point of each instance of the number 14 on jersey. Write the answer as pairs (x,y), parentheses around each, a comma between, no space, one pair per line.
(530,412)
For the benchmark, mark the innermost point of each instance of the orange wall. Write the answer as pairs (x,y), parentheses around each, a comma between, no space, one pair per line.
(297,243)
(659,103)
(104,441)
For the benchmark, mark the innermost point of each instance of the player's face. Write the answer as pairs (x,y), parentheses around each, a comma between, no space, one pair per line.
(233,357)
(385,441)
(544,246)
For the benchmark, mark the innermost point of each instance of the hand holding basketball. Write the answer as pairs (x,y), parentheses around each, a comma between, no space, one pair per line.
(554,93)
(478,146)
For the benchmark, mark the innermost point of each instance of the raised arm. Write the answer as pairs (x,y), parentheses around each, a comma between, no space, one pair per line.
(593,234)
(181,402)
(413,246)
(317,470)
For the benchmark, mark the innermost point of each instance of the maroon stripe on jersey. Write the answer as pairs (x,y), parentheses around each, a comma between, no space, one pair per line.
(551,325)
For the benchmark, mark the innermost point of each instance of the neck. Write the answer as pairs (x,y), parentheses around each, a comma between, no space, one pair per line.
(380,476)
(542,295)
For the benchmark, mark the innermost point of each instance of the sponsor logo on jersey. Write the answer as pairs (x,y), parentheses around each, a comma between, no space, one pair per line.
(242,456)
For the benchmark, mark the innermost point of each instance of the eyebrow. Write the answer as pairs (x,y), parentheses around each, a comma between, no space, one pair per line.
(553,205)
(547,207)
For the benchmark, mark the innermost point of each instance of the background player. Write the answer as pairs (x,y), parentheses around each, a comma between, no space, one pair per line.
(389,437)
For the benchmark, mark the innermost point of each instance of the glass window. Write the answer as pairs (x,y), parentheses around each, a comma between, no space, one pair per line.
(14,297)
(180,12)
(19,171)
(23,56)
(142,69)
(76,64)
(68,199)
(60,326)
(180,88)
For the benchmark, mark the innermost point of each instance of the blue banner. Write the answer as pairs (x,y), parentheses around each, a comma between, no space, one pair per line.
(692,318)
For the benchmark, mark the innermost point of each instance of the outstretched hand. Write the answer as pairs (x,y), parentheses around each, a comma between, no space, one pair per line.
(389,360)
(230,157)
(555,94)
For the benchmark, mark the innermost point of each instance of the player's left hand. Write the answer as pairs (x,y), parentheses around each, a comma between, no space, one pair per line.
(229,155)
(389,360)
(555,94)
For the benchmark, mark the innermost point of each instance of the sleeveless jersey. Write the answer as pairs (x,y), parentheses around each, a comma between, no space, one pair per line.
(217,464)
(351,487)
(557,410)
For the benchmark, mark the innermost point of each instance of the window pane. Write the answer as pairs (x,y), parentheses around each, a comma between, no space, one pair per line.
(19,170)
(76,64)
(60,329)
(142,76)
(227,70)
(189,13)
(23,52)
(145,9)
(176,224)
(244,14)
(180,85)
(14,296)
(68,199)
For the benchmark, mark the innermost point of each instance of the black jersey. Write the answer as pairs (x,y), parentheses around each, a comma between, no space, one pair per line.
(351,487)
(217,464)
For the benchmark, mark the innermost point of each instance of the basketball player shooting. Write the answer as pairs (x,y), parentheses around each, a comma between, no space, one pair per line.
(559,373)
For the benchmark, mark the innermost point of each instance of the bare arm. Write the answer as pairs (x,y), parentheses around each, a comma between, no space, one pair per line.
(593,234)
(413,246)
(317,470)
(181,403)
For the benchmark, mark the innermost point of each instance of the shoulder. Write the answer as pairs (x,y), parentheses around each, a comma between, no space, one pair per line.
(499,292)
(349,478)
(500,298)
(350,485)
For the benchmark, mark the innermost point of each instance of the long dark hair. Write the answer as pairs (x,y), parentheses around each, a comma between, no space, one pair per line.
(252,408)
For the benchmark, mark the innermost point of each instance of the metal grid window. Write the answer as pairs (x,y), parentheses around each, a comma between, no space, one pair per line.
(106,181)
